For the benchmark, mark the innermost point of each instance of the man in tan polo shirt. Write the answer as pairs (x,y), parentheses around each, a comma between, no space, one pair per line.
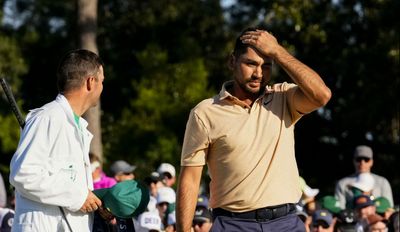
(245,135)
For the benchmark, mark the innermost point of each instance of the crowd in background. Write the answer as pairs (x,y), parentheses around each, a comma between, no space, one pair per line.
(362,201)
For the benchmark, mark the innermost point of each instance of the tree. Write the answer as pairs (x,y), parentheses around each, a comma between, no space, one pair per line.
(165,57)
(87,27)
(12,66)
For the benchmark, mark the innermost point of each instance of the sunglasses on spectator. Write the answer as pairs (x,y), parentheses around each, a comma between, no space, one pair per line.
(161,204)
(324,225)
(168,175)
(197,223)
(365,159)
(127,173)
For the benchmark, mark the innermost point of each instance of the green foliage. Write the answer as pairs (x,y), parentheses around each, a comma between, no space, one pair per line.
(170,53)
(153,124)
(9,133)
(162,57)
(12,66)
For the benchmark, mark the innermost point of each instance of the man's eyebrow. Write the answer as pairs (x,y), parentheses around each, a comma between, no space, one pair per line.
(249,60)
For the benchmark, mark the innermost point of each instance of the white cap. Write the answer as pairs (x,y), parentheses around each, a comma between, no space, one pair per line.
(365,182)
(166,194)
(307,190)
(166,167)
(94,165)
(310,192)
(150,221)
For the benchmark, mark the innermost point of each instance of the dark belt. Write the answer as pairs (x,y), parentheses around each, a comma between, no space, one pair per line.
(262,214)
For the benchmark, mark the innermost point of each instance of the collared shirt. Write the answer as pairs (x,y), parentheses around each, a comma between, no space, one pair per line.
(249,150)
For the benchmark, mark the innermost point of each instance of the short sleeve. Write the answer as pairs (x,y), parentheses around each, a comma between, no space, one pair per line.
(290,90)
(195,143)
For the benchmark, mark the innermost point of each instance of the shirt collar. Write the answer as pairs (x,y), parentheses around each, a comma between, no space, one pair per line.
(224,94)
(68,110)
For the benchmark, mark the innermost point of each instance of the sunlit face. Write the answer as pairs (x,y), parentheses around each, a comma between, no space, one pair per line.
(162,209)
(366,211)
(124,176)
(154,187)
(96,174)
(320,228)
(378,227)
(251,71)
(202,226)
(169,180)
(362,164)
(98,86)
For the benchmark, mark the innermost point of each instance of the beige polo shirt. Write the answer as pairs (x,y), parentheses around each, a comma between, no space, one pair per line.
(249,150)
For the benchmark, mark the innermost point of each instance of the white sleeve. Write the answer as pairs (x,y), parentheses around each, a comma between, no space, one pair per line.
(36,175)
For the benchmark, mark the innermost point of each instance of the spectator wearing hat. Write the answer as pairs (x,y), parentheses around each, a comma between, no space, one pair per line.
(363,184)
(165,199)
(308,197)
(149,222)
(168,174)
(153,181)
(171,222)
(202,220)
(346,221)
(376,223)
(364,206)
(202,200)
(383,207)
(331,204)
(322,221)
(363,162)
(100,179)
(122,170)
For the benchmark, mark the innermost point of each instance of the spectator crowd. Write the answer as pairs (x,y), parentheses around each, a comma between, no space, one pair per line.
(362,201)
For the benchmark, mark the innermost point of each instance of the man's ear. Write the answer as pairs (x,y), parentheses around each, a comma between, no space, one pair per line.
(231,62)
(90,83)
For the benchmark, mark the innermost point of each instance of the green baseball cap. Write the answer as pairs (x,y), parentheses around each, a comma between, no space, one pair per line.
(331,204)
(382,204)
(126,199)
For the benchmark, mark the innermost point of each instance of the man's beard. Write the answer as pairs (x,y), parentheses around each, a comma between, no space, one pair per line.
(252,91)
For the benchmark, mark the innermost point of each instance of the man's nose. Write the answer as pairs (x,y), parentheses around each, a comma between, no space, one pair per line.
(258,72)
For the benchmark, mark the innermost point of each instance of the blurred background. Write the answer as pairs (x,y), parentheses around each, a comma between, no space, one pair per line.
(163,57)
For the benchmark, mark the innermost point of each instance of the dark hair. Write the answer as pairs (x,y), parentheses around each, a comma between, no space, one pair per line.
(93,157)
(394,223)
(240,47)
(74,67)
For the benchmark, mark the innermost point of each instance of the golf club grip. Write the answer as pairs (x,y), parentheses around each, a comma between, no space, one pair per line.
(12,102)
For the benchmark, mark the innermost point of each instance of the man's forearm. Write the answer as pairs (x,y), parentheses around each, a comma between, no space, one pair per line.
(311,84)
(187,192)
